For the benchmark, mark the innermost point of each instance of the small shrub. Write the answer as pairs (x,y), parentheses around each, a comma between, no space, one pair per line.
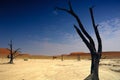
(25,59)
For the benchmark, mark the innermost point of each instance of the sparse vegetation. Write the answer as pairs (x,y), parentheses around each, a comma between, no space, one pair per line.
(25,59)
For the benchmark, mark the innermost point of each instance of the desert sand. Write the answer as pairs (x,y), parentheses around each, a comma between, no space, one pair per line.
(43,69)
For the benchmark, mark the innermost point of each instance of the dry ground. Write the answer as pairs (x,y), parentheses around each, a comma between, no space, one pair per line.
(39,69)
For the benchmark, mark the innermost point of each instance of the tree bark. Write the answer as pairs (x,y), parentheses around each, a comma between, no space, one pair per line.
(11,53)
(94,75)
(11,59)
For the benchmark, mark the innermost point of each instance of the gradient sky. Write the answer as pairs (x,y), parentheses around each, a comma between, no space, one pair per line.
(36,28)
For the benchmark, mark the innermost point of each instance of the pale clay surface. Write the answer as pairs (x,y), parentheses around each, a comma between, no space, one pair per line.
(37,69)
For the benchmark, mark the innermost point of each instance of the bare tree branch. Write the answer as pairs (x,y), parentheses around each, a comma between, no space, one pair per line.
(84,39)
(96,31)
(80,24)
(17,50)
(8,49)
(70,6)
(62,9)
(16,55)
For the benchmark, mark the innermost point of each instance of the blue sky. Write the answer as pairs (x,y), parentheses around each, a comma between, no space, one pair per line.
(35,27)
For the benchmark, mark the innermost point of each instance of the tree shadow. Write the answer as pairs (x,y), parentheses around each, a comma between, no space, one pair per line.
(5,63)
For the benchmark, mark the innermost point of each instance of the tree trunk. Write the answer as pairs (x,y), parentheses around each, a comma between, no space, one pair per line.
(94,68)
(62,58)
(78,57)
(11,59)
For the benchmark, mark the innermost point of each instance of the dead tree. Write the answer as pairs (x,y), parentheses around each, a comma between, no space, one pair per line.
(62,58)
(54,57)
(89,42)
(78,57)
(13,53)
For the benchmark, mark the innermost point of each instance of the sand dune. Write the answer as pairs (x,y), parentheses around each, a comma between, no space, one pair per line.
(37,69)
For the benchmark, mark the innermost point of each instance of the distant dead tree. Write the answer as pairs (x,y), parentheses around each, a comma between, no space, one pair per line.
(62,58)
(88,40)
(13,53)
(78,57)
(54,57)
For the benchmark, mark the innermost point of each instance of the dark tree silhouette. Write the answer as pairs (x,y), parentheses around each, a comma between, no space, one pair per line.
(13,53)
(89,42)
(78,57)
(54,57)
(62,57)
